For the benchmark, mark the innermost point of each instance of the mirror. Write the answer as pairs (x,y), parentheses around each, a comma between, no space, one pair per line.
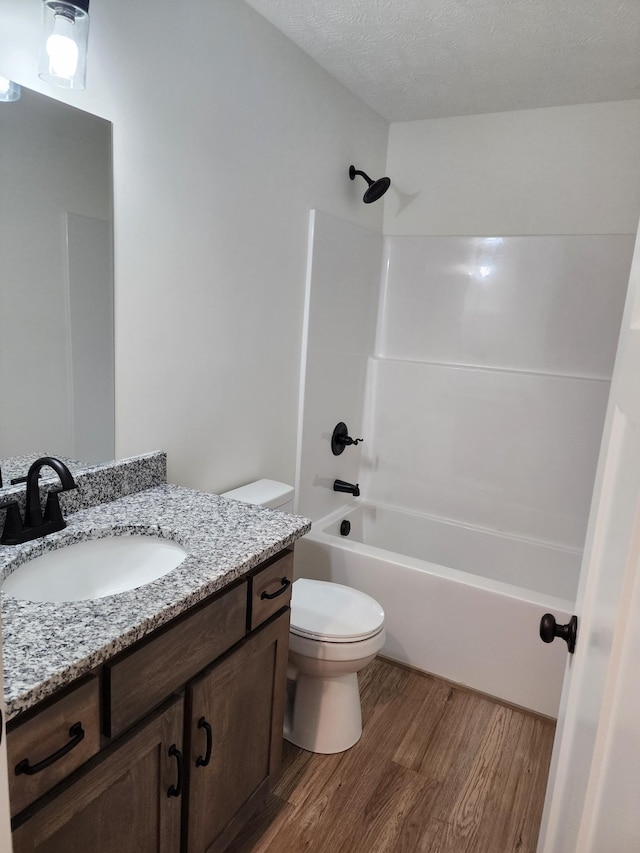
(56,282)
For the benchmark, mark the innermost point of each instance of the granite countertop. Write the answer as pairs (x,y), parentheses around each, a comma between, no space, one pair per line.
(18,466)
(48,645)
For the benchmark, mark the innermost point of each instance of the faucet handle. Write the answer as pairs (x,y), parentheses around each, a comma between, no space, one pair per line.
(13,526)
(341,439)
(52,511)
(15,481)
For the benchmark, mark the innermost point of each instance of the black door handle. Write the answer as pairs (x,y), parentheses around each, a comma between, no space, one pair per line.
(286,583)
(176,790)
(549,630)
(200,761)
(76,733)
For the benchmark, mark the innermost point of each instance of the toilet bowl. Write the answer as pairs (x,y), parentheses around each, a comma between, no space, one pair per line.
(335,632)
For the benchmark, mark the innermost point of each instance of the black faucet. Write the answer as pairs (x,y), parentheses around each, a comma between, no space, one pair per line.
(35,523)
(350,488)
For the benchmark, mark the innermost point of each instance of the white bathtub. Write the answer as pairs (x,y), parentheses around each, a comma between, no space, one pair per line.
(459,602)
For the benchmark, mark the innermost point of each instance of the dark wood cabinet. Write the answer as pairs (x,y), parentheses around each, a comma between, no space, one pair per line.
(234,741)
(119,801)
(183,776)
(138,679)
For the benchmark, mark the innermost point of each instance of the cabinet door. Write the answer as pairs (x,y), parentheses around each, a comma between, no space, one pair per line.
(235,713)
(127,800)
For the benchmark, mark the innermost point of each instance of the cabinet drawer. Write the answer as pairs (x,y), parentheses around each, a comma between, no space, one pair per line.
(143,676)
(270,589)
(54,742)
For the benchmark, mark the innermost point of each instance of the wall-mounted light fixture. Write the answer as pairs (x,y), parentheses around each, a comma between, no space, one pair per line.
(9,91)
(65,32)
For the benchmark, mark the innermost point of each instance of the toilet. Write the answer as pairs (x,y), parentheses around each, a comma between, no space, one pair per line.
(335,632)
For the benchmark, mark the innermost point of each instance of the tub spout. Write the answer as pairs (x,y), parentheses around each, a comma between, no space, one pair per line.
(350,488)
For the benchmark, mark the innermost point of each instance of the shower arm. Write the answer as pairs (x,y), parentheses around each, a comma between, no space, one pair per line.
(353,172)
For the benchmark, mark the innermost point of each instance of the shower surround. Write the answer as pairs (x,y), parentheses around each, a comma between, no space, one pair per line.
(478,374)
(491,377)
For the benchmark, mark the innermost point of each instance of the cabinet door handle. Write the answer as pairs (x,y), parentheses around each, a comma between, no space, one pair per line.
(176,790)
(286,583)
(200,761)
(76,733)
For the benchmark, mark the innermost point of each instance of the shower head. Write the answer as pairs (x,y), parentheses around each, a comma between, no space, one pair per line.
(375,190)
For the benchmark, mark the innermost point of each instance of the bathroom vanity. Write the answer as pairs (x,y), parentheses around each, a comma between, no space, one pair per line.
(152,720)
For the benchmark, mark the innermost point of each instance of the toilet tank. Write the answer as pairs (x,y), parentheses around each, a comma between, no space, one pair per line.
(269,493)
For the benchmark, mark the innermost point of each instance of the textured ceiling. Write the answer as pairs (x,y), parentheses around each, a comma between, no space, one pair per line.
(415,59)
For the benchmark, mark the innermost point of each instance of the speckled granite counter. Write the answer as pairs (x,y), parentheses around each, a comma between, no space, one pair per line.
(95,484)
(49,645)
(17,466)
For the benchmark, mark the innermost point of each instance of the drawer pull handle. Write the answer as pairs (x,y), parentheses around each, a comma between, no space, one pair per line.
(176,790)
(286,583)
(200,761)
(76,733)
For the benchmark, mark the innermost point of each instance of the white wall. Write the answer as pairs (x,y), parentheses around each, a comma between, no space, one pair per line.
(53,161)
(225,136)
(561,170)
(90,251)
(340,324)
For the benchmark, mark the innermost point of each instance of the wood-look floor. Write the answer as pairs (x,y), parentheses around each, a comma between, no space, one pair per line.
(438,769)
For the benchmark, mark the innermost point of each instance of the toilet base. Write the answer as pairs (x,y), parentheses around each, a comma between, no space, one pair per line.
(325,714)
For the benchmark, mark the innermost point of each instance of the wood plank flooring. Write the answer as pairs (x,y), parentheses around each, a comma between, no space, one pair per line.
(439,769)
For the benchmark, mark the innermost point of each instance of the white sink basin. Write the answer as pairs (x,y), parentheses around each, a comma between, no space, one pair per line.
(94,569)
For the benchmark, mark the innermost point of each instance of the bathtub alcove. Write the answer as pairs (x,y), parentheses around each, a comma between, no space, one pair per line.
(477,370)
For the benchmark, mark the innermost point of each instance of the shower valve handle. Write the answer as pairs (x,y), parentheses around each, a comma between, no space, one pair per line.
(341,439)
(348,440)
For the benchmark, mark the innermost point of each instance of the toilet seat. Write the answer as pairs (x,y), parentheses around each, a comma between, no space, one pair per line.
(333,613)
(321,650)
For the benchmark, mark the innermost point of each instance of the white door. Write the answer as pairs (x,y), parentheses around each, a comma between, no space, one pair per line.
(593,803)
(5,828)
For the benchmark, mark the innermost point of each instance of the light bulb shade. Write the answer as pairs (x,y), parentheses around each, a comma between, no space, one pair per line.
(9,91)
(65,33)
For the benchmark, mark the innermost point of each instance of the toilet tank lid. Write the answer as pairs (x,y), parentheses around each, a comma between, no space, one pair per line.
(269,493)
